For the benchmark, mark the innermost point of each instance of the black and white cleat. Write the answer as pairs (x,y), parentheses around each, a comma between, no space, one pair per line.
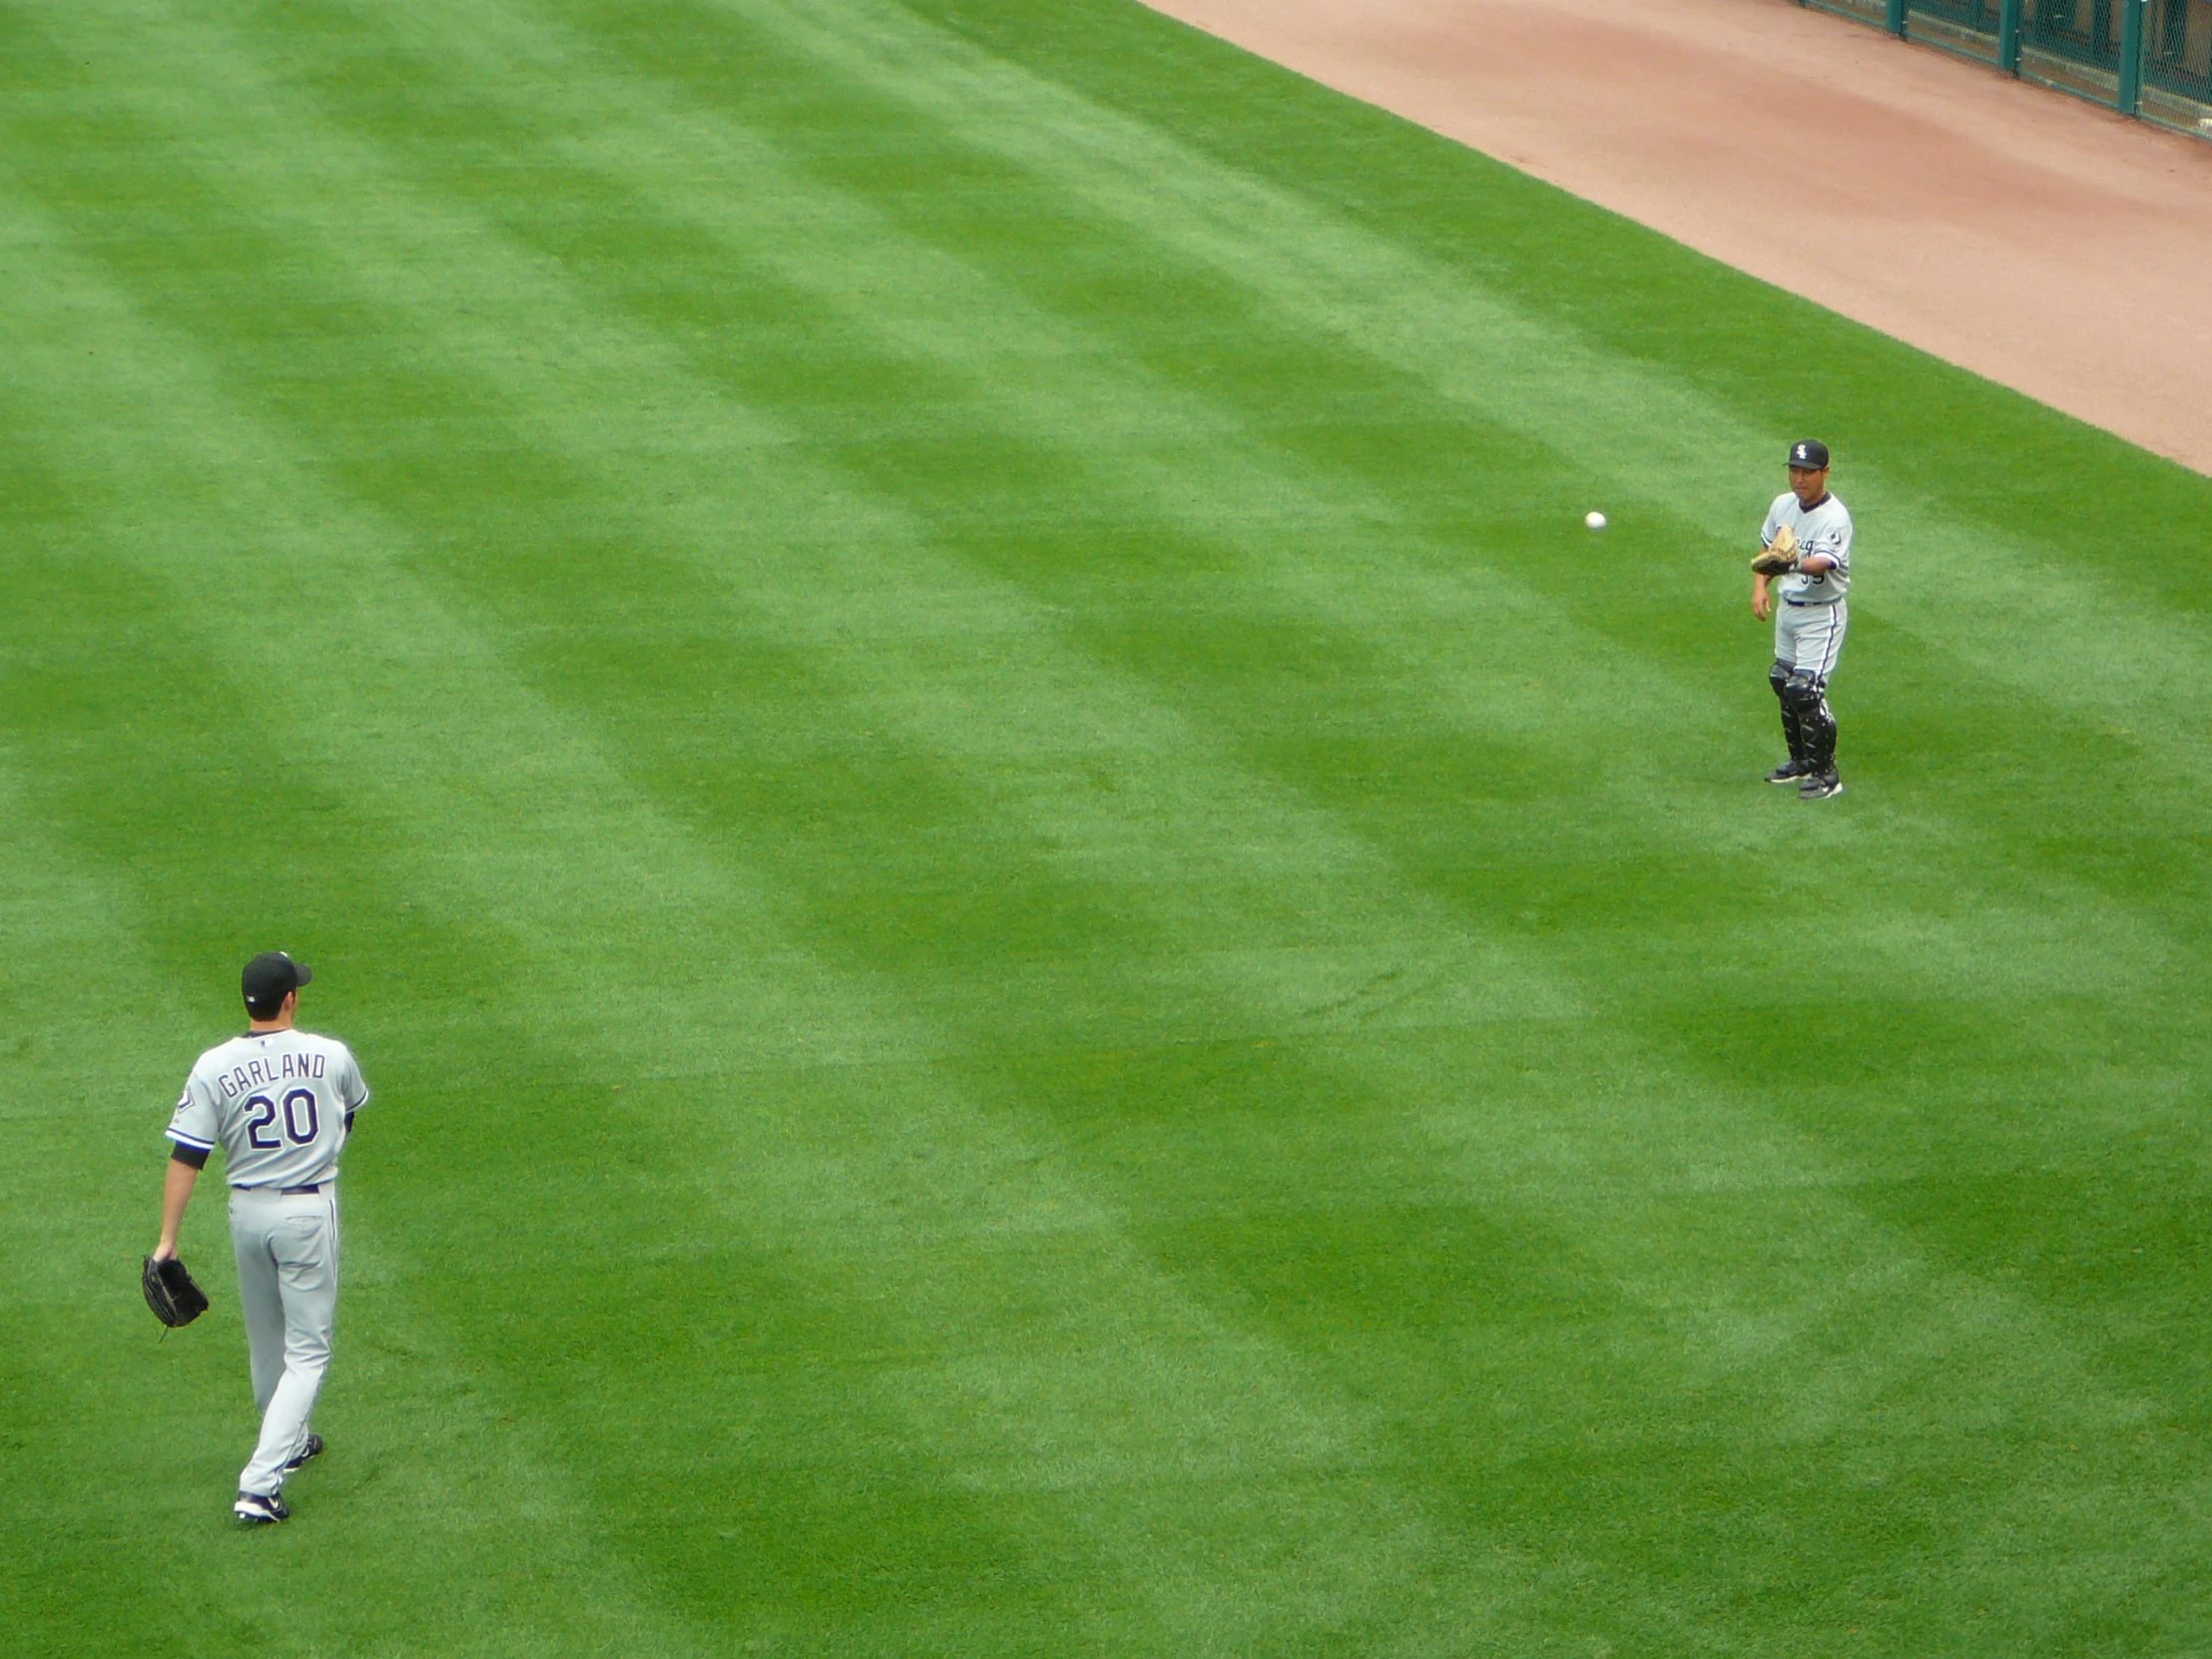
(260,1509)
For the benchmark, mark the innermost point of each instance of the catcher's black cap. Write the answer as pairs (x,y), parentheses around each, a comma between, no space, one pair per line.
(1809,453)
(267,977)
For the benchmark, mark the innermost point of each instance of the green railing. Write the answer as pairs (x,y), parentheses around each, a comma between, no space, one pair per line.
(2148,58)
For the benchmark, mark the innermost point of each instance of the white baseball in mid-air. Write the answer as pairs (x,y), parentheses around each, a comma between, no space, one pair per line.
(1595,521)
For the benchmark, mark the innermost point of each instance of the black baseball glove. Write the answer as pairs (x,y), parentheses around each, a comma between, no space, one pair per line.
(170,1291)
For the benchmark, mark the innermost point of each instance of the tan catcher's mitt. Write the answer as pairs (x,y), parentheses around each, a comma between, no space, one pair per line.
(1779,555)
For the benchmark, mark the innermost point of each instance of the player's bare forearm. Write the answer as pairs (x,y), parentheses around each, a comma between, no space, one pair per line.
(1819,564)
(176,1194)
(1762,606)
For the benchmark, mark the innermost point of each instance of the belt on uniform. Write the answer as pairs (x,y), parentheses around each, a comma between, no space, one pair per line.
(286,1192)
(1809,604)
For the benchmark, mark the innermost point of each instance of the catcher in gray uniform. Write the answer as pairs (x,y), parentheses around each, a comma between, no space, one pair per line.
(1804,563)
(280,1104)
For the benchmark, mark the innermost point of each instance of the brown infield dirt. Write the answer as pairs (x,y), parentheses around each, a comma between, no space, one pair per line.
(2036,240)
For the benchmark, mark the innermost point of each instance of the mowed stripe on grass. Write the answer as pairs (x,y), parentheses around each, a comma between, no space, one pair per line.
(973,768)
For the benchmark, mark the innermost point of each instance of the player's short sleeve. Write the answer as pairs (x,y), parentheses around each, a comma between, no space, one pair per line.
(1836,542)
(1774,523)
(353,1087)
(193,1124)
(1830,534)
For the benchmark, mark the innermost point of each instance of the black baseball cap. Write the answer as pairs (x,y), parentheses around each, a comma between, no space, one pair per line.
(269,977)
(1809,453)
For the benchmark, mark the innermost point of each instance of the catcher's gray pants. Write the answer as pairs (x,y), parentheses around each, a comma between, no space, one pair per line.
(288,1252)
(1809,638)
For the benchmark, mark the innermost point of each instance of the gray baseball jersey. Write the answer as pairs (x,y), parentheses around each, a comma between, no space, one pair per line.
(276,1102)
(1823,529)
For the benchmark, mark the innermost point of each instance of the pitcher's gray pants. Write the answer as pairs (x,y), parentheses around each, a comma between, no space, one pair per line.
(287,1252)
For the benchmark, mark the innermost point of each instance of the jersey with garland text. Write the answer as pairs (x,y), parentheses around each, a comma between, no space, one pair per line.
(276,1102)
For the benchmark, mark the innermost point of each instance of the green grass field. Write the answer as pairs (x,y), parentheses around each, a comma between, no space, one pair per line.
(1052,966)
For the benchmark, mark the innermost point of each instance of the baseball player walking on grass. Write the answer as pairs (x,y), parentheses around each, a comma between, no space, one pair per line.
(1804,562)
(280,1102)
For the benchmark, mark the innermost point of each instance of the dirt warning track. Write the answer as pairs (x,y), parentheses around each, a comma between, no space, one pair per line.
(2035,239)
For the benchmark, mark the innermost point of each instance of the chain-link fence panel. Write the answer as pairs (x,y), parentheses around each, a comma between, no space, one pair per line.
(2151,58)
(1978,16)
(2178,50)
(2080,31)
(1967,26)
